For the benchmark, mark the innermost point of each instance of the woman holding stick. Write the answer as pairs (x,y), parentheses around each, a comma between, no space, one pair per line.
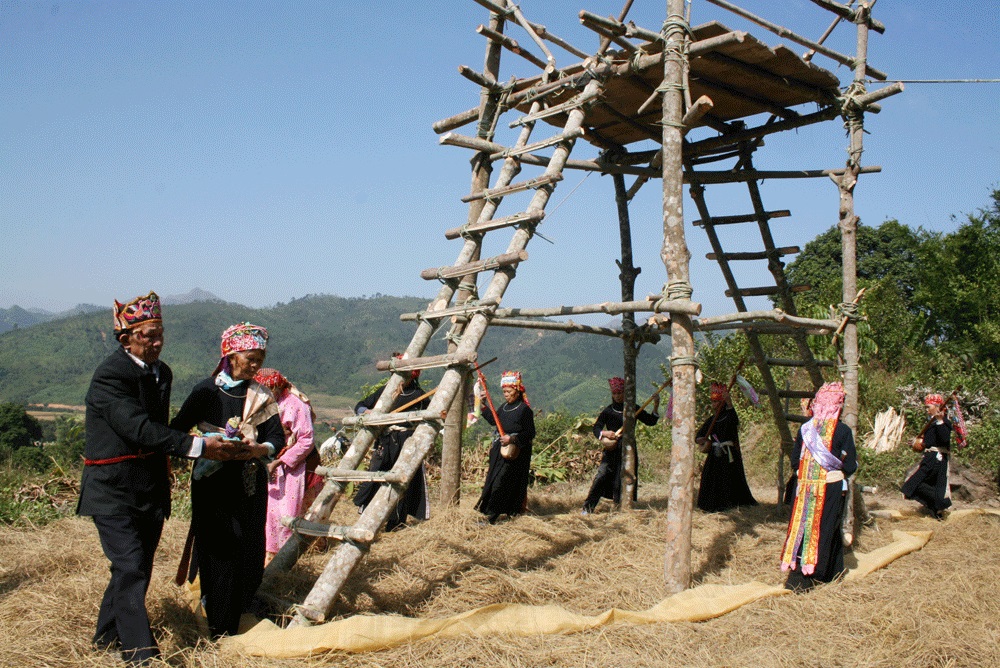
(723,479)
(506,488)
(387,448)
(607,429)
(929,483)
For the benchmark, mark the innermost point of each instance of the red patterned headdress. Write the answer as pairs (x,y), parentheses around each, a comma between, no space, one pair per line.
(718,392)
(414,374)
(272,379)
(513,379)
(243,336)
(934,400)
(139,310)
(617,384)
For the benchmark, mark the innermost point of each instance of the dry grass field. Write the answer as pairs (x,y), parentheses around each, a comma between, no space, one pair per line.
(939,606)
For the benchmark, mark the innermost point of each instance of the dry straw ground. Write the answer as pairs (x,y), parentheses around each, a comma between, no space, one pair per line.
(939,606)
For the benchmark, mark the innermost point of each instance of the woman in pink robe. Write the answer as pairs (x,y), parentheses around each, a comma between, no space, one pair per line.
(286,487)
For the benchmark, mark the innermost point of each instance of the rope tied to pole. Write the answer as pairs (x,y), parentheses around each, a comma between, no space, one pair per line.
(848,310)
(851,367)
(683,360)
(677,290)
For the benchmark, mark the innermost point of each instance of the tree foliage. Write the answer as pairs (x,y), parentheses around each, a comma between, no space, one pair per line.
(17,428)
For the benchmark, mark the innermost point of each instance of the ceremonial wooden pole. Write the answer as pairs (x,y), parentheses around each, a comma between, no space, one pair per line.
(676,258)
(451,435)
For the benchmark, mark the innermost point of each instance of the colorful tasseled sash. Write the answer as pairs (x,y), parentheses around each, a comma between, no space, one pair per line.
(804,524)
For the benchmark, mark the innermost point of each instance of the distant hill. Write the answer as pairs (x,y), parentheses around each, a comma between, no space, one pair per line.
(195,295)
(324,343)
(16,317)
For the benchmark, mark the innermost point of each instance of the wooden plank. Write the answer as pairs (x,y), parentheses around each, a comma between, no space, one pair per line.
(538,145)
(577,102)
(524,218)
(465,310)
(745,218)
(370,419)
(521,186)
(354,475)
(321,530)
(777,361)
(432,362)
(729,176)
(767,290)
(759,255)
(791,417)
(452,272)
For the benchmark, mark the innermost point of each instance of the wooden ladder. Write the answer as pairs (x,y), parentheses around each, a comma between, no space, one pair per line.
(781,289)
(474,316)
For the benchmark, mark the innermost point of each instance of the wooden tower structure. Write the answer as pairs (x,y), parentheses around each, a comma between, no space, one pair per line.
(661,105)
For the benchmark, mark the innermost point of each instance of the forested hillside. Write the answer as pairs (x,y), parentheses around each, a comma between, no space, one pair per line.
(326,344)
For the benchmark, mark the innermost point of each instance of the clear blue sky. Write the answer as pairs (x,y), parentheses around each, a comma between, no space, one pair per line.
(264,151)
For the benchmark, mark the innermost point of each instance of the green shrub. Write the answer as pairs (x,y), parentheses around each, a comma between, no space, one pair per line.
(30,459)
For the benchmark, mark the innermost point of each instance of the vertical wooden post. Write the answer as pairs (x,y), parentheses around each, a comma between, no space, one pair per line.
(676,258)
(630,349)
(848,238)
(482,169)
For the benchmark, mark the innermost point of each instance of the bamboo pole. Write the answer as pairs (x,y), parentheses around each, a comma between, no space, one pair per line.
(776,315)
(482,169)
(788,34)
(630,349)
(676,259)
(848,223)
(653,304)
(571,327)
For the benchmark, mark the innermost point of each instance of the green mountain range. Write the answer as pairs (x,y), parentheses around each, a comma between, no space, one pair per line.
(324,344)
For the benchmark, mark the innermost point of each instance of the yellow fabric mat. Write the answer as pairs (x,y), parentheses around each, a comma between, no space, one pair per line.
(363,633)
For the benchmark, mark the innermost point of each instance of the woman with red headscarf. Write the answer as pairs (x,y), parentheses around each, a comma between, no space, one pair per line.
(608,479)
(506,488)
(287,473)
(929,483)
(824,457)
(723,478)
(229,499)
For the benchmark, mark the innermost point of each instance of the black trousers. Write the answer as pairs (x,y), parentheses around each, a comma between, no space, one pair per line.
(129,543)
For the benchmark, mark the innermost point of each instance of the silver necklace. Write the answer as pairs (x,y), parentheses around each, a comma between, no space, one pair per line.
(510,410)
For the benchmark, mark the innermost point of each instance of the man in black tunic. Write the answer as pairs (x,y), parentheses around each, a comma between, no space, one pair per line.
(608,480)
(126,487)
(386,452)
(929,483)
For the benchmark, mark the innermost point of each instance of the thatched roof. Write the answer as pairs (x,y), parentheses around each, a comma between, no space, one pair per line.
(742,78)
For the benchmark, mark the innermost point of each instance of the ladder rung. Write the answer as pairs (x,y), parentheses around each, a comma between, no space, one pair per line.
(445,273)
(529,217)
(766,290)
(748,218)
(759,255)
(776,361)
(354,475)
(576,102)
(372,419)
(521,186)
(538,145)
(796,394)
(432,362)
(321,530)
(463,310)
(791,417)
